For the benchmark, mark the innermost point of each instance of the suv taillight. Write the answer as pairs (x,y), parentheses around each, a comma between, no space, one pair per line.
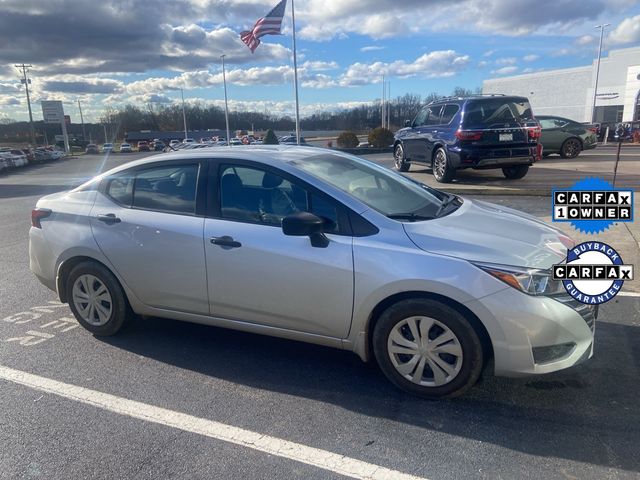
(38,214)
(534,132)
(471,135)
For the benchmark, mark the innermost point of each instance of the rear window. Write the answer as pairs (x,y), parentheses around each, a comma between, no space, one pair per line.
(489,111)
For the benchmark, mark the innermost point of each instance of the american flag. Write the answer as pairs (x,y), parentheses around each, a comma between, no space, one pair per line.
(271,24)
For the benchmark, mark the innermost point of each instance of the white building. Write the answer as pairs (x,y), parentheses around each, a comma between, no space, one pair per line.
(569,92)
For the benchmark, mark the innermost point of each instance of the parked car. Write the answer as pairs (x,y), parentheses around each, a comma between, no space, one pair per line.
(188,140)
(431,285)
(92,148)
(480,132)
(3,165)
(125,148)
(235,141)
(10,160)
(41,154)
(143,146)
(22,154)
(29,154)
(566,137)
(158,146)
(291,140)
(174,143)
(107,148)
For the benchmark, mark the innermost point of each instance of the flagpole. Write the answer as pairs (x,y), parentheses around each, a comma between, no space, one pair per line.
(295,72)
(226,104)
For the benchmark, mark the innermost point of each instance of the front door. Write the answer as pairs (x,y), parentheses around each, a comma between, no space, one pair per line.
(145,224)
(257,274)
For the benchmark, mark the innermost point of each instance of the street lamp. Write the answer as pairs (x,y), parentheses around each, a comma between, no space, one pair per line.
(595,89)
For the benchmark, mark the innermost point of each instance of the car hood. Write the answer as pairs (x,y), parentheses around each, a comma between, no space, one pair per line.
(484,232)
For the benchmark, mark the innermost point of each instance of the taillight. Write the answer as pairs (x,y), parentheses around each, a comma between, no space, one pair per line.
(470,135)
(38,214)
(534,132)
(593,129)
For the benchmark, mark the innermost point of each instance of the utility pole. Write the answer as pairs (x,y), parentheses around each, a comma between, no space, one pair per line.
(26,82)
(81,121)
(184,115)
(595,89)
(226,103)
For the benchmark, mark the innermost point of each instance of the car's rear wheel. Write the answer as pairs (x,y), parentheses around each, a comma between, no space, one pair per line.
(97,299)
(442,169)
(427,348)
(515,172)
(571,148)
(401,163)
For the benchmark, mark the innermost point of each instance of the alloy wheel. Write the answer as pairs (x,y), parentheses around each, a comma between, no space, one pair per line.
(571,148)
(92,300)
(425,351)
(399,156)
(439,164)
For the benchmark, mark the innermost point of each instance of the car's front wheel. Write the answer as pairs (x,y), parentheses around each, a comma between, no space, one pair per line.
(442,169)
(427,348)
(515,172)
(400,159)
(97,299)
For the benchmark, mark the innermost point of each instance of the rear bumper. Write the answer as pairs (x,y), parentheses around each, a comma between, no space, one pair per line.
(461,157)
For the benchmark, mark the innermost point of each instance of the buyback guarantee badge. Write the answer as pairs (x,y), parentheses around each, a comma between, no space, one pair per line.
(593,273)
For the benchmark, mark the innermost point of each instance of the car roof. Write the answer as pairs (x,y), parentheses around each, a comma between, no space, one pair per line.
(554,117)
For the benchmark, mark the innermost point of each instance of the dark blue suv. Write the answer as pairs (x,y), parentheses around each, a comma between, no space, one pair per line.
(479,132)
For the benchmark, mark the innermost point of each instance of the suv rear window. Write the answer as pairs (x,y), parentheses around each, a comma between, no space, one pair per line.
(488,111)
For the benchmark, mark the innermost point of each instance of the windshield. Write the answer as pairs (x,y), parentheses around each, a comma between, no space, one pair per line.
(383,190)
(488,111)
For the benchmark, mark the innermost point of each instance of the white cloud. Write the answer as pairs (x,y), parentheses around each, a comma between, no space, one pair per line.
(482,64)
(585,40)
(505,70)
(372,48)
(628,31)
(562,52)
(506,61)
(489,53)
(320,66)
(442,63)
(531,58)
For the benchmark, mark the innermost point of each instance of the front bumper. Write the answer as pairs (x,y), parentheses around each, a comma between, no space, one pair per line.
(517,323)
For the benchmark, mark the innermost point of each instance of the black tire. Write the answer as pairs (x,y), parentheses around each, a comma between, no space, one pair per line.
(515,172)
(120,312)
(400,159)
(571,148)
(472,352)
(443,172)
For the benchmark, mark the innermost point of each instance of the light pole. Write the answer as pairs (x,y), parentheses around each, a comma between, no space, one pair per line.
(81,121)
(26,81)
(595,89)
(184,115)
(226,103)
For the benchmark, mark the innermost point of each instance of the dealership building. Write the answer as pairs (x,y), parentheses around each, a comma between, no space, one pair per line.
(569,92)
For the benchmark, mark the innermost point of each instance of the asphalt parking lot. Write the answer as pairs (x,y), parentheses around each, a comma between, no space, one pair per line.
(314,412)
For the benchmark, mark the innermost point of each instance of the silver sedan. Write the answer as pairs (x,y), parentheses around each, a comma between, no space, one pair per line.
(317,246)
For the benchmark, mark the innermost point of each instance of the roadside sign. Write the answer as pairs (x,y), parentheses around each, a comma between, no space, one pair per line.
(52,111)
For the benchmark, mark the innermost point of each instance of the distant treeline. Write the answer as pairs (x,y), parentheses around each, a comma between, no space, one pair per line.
(202,117)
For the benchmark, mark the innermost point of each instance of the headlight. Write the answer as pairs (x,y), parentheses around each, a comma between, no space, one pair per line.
(531,281)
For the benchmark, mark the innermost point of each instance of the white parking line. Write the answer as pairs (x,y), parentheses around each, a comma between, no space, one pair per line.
(628,294)
(264,443)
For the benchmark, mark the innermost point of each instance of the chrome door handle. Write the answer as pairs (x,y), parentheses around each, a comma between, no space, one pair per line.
(109,218)
(225,241)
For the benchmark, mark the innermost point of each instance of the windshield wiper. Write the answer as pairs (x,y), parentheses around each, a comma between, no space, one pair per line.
(412,217)
(445,203)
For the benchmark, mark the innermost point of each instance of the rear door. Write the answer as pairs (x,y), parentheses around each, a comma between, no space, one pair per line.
(147,222)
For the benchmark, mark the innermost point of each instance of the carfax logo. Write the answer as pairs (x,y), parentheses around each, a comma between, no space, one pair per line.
(592,205)
(594,273)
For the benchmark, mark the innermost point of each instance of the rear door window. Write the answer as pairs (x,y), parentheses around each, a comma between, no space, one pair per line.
(448,112)
(488,112)
(433,115)
(169,189)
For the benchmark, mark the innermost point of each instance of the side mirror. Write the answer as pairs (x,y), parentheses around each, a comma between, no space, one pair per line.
(305,224)
(407,123)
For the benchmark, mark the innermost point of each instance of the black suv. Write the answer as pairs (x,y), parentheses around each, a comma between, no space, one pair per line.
(480,132)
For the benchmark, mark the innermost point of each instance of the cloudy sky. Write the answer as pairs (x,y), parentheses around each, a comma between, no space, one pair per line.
(113,52)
